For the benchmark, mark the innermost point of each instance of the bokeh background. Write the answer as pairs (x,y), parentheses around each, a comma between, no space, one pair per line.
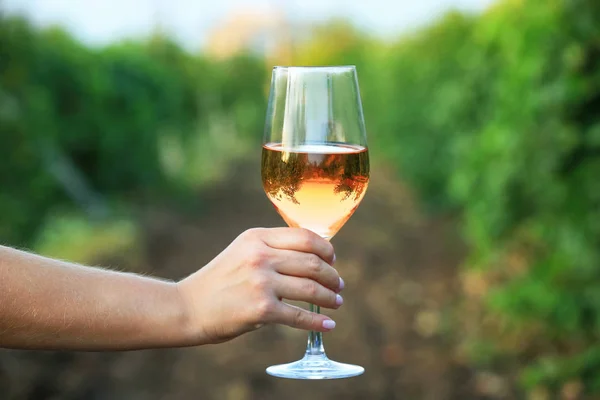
(130,137)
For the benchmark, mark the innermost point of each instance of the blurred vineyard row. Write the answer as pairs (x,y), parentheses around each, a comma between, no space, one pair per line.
(493,117)
(98,128)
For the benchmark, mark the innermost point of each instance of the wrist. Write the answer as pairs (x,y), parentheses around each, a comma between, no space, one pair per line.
(171,318)
(191,331)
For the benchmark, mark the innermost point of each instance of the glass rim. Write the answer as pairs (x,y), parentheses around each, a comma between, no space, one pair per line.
(320,67)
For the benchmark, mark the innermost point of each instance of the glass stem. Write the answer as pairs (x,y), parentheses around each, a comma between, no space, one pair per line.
(314,347)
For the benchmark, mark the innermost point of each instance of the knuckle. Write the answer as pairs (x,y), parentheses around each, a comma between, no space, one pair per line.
(300,318)
(258,257)
(307,243)
(307,239)
(265,309)
(314,264)
(260,283)
(311,289)
(251,234)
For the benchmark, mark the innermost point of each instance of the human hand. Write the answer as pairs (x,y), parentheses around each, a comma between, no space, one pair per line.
(243,287)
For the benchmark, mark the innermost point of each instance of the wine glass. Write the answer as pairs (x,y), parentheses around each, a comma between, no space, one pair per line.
(315,171)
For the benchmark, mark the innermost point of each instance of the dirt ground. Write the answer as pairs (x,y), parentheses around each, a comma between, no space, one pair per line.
(401,277)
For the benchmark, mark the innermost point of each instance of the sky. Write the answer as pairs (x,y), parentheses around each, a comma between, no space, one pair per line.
(190,21)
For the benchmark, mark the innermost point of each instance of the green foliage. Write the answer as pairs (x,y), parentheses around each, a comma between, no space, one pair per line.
(496,117)
(81,126)
(88,242)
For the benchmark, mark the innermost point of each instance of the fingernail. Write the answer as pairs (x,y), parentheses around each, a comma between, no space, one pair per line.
(333,261)
(329,324)
(339,300)
(342,284)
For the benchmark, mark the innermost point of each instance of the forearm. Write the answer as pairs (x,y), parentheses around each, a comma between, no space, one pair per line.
(49,304)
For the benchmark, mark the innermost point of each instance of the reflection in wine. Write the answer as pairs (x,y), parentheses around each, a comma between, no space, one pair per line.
(317,187)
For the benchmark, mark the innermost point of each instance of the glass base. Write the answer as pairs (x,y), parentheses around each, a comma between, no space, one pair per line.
(315,367)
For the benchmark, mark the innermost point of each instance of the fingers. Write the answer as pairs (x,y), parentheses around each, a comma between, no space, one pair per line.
(297,317)
(306,265)
(299,240)
(307,290)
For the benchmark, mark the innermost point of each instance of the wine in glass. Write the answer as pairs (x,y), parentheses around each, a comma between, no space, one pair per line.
(315,171)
